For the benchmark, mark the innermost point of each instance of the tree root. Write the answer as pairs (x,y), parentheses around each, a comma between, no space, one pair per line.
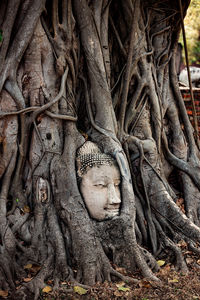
(150,260)
(180,264)
(37,283)
(194,248)
(7,268)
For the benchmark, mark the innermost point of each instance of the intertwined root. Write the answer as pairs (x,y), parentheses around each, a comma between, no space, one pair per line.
(48,223)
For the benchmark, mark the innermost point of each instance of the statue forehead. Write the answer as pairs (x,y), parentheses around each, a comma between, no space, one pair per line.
(102,172)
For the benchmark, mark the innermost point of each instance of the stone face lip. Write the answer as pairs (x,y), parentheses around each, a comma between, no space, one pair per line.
(112,210)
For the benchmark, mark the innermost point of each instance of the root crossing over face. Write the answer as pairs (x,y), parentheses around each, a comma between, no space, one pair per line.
(101,192)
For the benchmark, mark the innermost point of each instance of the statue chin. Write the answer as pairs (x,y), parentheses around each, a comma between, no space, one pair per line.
(111,213)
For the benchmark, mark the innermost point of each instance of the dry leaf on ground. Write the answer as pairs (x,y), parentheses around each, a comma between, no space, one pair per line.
(28,266)
(160,263)
(144,283)
(172,280)
(26,209)
(123,289)
(27,279)
(3,293)
(47,289)
(121,283)
(118,293)
(79,290)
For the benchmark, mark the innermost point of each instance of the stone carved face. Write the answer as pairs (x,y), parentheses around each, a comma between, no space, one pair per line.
(100,190)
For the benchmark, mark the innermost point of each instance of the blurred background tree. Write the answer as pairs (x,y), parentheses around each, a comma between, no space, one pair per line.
(192,28)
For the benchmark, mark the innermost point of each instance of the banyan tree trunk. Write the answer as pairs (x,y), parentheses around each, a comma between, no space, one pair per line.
(103,71)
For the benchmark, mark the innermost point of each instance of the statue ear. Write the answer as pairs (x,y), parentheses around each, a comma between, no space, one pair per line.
(42,190)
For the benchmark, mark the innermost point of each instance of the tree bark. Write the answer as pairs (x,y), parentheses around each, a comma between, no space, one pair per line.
(102,71)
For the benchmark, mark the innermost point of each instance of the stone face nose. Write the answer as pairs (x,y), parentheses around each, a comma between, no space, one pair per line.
(113,198)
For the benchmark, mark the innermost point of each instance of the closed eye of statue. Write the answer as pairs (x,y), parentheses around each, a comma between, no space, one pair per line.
(101,185)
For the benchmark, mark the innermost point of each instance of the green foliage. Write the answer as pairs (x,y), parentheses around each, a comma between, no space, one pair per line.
(196,51)
(192,28)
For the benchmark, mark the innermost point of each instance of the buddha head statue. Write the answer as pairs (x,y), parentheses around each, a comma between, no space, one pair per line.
(99,179)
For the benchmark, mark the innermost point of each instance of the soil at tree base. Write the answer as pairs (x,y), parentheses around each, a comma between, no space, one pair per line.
(173,285)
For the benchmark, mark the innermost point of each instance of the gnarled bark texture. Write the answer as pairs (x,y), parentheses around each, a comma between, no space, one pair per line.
(104,71)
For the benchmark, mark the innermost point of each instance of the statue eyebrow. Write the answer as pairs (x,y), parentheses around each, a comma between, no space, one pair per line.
(100,178)
(104,177)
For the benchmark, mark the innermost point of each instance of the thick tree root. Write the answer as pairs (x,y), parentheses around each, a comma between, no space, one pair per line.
(37,283)
(180,264)
(150,260)
(7,269)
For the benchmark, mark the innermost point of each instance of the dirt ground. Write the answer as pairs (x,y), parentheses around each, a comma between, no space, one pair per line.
(173,285)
